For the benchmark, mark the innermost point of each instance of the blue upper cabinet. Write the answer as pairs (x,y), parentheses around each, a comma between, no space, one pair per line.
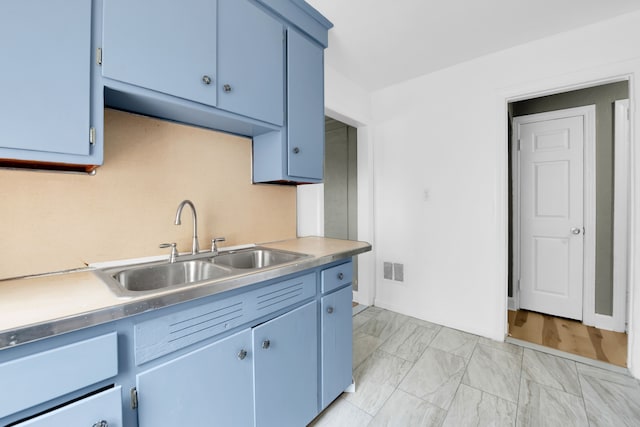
(45,82)
(250,61)
(296,155)
(165,46)
(248,67)
(305,107)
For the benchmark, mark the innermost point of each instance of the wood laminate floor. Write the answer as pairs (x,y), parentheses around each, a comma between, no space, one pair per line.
(569,335)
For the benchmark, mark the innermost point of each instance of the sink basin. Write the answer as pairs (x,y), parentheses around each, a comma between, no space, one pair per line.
(256,258)
(155,277)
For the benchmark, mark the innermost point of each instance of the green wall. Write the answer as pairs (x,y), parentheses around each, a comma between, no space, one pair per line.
(603,98)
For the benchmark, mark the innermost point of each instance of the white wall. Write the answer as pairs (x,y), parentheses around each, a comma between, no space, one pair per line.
(440,172)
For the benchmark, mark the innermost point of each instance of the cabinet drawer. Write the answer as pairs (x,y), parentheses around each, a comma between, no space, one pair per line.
(105,406)
(43,376)
(335,277)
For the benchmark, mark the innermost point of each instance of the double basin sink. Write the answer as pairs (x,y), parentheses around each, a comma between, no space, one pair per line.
(145,278)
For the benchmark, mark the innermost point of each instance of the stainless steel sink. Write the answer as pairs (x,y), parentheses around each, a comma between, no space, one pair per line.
(256,258)
(156,277)
(152,277)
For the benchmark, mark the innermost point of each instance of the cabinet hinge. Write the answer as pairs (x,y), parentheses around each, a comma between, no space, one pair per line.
(518,285)
(99,56)
(518,144)
(92,135)
(134,398)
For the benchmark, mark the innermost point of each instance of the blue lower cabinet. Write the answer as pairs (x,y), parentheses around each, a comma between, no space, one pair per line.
(209,386)
(336,348)
(286,369)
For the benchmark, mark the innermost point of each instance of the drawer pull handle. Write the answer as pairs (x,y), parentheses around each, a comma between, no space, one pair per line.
(340,276)
(330,310)
(101,423)
(242,354)
(226,88)
(206,80)
(266,344)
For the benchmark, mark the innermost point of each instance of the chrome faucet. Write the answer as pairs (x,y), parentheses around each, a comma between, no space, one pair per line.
(195,248)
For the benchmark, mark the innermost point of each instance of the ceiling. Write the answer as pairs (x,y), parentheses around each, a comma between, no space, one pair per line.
(377,43)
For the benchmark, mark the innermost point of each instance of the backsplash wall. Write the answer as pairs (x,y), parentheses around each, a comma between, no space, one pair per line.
(53,221)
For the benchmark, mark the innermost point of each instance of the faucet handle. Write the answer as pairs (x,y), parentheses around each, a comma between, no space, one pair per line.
(174,251)
(214,244)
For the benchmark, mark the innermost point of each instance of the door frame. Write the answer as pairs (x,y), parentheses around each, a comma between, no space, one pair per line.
(589,201)
(621,226)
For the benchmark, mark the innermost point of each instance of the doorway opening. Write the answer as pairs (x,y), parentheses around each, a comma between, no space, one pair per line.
(341,184)
(568,221)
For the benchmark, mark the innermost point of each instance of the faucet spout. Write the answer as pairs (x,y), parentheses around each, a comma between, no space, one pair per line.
(195,247)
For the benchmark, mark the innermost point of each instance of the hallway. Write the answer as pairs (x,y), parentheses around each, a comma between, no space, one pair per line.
(569,335)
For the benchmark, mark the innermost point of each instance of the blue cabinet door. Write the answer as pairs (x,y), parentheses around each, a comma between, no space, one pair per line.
(209,386)
(305,107)
(166,46)
(250,61)
(286,369)
(45,93)
(336,346)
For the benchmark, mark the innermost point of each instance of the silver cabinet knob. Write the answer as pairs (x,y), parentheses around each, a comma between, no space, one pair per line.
(266,344)
(575,230)
(296,150)
(329,310)
(226,88)
(242,354)
(340,276)
(101,423)
(206,79)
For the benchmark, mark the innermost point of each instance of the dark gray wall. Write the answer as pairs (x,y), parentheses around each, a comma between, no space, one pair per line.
(603,98)
(341,183)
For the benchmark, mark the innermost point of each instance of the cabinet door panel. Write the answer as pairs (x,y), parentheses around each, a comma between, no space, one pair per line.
(250,61)
(45,75)
(305,107)
(286,372)
(167,46)
(209,386)
(337,348)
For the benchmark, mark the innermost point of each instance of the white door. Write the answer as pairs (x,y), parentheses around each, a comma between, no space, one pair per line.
(551,215)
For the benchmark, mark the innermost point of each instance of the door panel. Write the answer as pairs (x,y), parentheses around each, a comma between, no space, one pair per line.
(164,45)
(551,216)
(46,67)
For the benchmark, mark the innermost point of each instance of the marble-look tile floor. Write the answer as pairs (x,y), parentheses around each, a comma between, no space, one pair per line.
(414,373)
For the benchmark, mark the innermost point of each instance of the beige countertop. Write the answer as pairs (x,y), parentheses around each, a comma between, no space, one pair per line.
(32,308)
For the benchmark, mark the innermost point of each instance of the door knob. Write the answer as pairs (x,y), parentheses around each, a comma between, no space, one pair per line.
(226,88)
(575,230)
(242,354)
(206,80)
(266,344)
